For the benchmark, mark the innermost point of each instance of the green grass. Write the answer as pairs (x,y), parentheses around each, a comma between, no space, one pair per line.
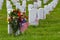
(48,29)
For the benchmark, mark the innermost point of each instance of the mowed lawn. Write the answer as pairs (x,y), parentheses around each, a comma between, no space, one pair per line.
(48,29)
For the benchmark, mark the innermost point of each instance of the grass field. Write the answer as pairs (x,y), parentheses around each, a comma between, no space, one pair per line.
(48,29)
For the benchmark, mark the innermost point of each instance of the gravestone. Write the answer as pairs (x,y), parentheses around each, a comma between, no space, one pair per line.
(9,9)
(40,13)
(39,3)
(46,9)
(33,17)
(35,5)
(45,1)
(17,6)
(30,6)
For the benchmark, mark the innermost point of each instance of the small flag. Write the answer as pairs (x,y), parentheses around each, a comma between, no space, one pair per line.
(24,27)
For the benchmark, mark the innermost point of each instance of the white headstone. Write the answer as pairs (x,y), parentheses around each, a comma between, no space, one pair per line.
(10,31)
(45,1)
(24,3)
(41,13)
(30,6)
(33,17)
(46,9)
(17,6)
(39,3)
(22,9)
(35,5)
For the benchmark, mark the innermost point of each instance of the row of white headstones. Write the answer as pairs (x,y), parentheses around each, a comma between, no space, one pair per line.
(17,4)
(1,3)
(36,12)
